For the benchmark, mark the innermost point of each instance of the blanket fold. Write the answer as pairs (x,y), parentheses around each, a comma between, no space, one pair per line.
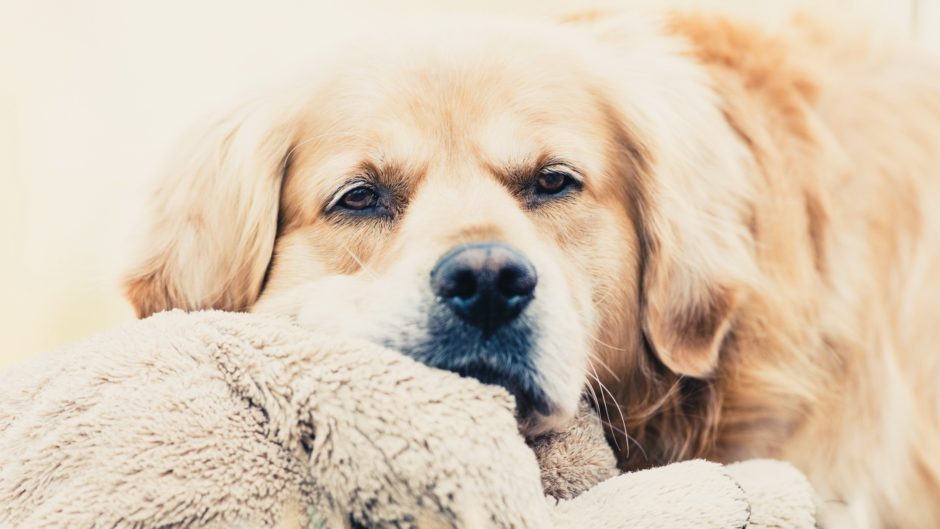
(212,419)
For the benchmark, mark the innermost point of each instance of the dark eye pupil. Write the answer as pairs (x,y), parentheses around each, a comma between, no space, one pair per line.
(359,198)
(552,182)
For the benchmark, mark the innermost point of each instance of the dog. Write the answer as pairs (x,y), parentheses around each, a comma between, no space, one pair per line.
(728,232)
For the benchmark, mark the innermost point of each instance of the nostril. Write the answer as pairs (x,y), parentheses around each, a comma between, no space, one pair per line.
(464,284)
(516,281)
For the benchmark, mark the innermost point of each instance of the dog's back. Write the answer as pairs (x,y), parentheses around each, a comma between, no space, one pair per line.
(882,107)
(849,128)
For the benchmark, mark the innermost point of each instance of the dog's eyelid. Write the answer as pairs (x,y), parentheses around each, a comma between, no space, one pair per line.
(358,181)
(556,166)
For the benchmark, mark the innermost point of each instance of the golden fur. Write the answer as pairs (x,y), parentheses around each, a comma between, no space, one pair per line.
(751,270)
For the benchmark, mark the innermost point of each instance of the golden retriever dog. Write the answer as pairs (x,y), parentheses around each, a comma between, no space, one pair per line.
(729,232)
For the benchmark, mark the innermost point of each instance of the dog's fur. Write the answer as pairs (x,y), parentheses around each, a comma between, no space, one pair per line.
(751,269)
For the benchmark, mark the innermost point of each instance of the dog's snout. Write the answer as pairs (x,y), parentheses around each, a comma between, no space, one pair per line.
(486,284)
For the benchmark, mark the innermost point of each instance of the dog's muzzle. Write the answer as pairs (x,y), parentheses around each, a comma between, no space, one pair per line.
(478,326)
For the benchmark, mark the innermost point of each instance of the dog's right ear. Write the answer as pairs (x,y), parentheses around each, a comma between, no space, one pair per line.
(211,233)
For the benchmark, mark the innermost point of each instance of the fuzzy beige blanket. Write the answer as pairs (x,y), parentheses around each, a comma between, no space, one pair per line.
(212,420)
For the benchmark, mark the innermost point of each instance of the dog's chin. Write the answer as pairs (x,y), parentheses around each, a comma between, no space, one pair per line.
(531,400)
(537,412)
(510,357)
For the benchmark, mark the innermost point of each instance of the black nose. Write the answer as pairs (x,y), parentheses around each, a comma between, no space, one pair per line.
(487,284)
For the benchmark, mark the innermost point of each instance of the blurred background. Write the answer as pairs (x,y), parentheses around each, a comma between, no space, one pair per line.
(95,93)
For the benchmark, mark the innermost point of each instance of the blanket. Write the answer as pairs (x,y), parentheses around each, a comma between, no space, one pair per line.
(212,419)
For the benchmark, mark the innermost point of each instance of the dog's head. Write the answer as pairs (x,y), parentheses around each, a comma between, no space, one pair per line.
(513,202)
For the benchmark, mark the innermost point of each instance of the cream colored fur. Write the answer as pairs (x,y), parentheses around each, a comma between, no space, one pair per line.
(751,269)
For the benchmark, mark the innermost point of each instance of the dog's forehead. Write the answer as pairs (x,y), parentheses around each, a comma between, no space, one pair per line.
(417,105)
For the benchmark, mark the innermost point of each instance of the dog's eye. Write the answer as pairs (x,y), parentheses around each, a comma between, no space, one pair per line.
(362,197)
(551,182)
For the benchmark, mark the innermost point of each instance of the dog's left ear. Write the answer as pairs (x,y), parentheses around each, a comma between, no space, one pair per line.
(692,199)
(689,183)
(687,308)
(692,203)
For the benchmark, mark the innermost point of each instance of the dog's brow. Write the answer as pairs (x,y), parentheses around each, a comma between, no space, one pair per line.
(394,174)
(518,170)
(522,171)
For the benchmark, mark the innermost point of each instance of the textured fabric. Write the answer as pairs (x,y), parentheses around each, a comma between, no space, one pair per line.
(780,495)
(212,420)
(574,460)
(696,494)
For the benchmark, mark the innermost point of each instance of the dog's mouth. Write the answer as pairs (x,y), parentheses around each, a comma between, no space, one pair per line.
(530,398)
(503,358)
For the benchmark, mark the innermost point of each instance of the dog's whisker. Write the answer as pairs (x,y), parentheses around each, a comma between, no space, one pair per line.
(600,411)
(606,410)
(623,420)
(360,263)
(623,431)
(595,358)
(607,345)
(593,395)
